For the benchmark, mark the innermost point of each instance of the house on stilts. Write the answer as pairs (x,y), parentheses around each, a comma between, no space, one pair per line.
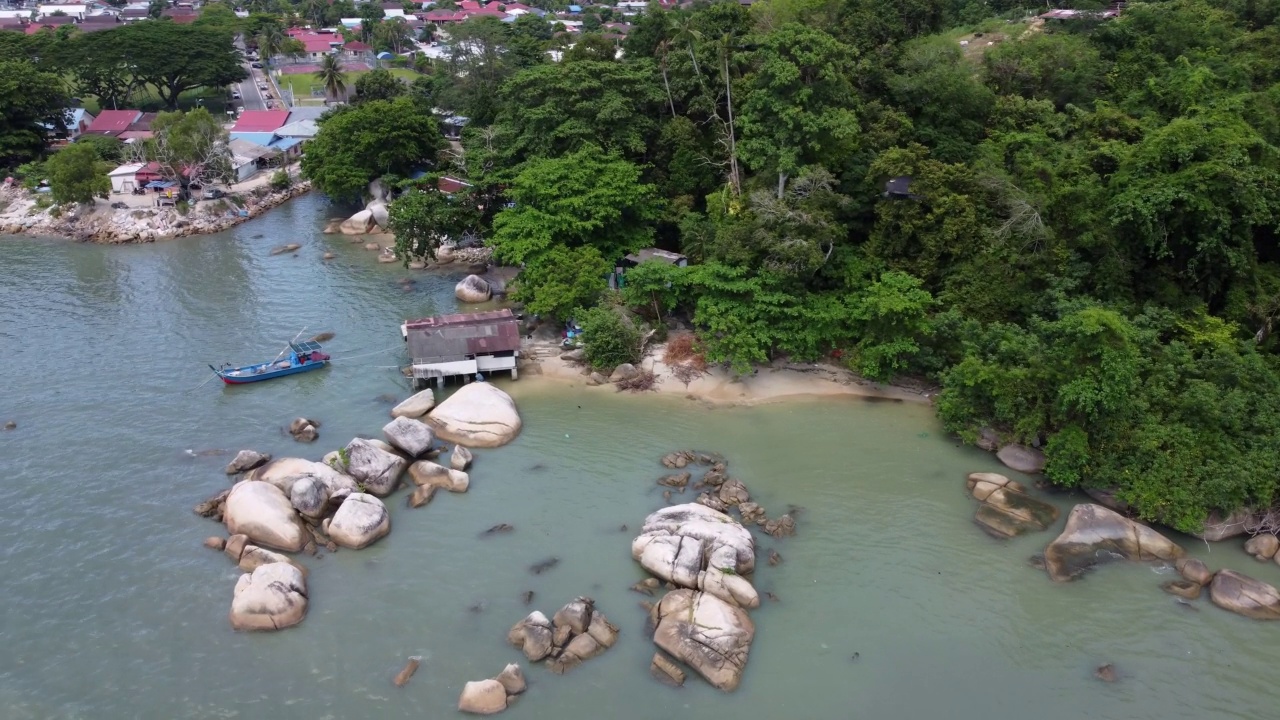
(461,345)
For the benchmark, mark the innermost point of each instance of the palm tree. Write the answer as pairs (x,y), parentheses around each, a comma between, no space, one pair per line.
(683,31)
(313,11)
(331,76)
(270,42)
(664,48)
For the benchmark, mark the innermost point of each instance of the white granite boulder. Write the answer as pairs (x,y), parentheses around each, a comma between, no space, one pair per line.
(483,697)
(361,520)
(272,597)
(414,437)
(284,472)
(263,513)
(428,474)
(473,289)
(416,406)
(375,468)
(246,460)
(694,546)
(362,223)
(477,415)
(1094,534)
(706,633)
(460,458)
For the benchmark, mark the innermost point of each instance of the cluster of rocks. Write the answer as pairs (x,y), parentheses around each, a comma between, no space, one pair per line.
(304,430)
(141,224)
(721,492)
(575,634)
(491,696)
(621,373)
(1007,509)
(292,505)
(708,558)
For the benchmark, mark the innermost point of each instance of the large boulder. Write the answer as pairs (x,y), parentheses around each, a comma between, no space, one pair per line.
(1242,594)
(284,472)
(359,521)
(416,406)
(477,415)
(1007,510)
(361,223)
(309,496)
(379,190)
(425,473)
(1021,458)
(1218,527)
(272,597)
(473,289)
(378,210)
(374,468)
(263,513)
(1262,546)
(1194,570)
(483,697)
(694,546)
(414,437)
(706,633)
(1094,534)
(533,636)
(246,460)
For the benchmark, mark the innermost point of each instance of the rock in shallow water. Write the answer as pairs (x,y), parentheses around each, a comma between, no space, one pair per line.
(359,522)
(1242,594)
(375,468)
(483,697)
(412,436)
(477,415)
(263,513)
(425,473)
(416,406)
(272,597)
(706,633)
(1094,535)
(1022,458)
(696,547)
(246,460)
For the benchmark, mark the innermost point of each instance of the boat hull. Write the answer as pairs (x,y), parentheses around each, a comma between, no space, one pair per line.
(246,375)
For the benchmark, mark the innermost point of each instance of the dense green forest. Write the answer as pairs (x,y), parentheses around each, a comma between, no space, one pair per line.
(1085,260)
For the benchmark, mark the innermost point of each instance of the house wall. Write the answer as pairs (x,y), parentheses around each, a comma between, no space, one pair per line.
(123,183)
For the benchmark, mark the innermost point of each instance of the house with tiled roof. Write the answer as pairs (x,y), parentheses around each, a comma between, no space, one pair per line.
(260,121)
(113,122)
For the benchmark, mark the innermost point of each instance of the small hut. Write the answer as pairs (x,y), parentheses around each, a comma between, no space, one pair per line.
(461,345)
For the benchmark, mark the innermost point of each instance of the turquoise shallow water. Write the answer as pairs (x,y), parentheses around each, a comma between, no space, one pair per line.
(113,610)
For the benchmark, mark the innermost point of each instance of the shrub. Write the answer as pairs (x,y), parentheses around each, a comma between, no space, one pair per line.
(182,207)
(608,339)
(281,180)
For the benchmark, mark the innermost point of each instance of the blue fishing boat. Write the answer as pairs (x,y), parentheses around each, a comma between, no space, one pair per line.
(302,357)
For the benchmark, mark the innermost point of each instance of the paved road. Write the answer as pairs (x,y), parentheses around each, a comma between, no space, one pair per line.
(251,98)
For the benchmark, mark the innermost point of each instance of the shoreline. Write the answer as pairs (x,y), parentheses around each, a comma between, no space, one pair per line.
(103,224)
(540,361)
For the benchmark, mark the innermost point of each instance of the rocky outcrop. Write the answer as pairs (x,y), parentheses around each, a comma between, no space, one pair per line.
(694,546)
(378,211)
(577,633)
(374,468)
(1094,535)
(309,496)
(360,521)
(1195,570)
(473,289)
(483,697)
(1219,527)
(272,597)
(1243,595)
(1007,510)
(246,460)
(414,437)
(263,513)
(416,406)
(284,472)
(460,458)
(304,430)
(477,415)
(1021,458)
(707,634)
(425,473)
(1262,547)
(361,223)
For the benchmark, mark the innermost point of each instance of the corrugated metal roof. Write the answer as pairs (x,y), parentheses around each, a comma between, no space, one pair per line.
(458,336)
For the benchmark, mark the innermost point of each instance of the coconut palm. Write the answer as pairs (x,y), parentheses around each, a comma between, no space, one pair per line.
(270,42)
(331,76)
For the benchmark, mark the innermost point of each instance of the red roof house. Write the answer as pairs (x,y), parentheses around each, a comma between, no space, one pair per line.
(445,16)
(261,121)
(319,42)
(113,122)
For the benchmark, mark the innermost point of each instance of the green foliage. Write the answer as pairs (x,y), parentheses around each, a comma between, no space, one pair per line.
(889,317)
(76,175)
(378,84)
(281,180)
(28,100)
(608,339)
(331,77)
(108,149)
(562,279)
(421,218)
(170,57)
(189,146)
(359,143)
(654,285)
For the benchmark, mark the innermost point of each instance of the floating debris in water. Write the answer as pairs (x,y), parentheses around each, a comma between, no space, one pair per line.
(499,528)
(322,337)
(527,596)
(410,668)
(540,567)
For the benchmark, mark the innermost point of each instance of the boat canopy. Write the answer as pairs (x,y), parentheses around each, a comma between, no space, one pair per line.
(305,347)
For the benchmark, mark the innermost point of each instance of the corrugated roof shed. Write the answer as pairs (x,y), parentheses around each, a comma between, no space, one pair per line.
(459,336)
(257,121)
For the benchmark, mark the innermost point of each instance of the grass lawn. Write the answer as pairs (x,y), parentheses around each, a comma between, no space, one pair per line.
(301,84)
(146,98)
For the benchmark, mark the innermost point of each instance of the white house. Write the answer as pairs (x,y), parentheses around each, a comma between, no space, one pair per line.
(76,11)
(125,178)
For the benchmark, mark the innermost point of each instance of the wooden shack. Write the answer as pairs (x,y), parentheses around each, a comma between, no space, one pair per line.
(461,345)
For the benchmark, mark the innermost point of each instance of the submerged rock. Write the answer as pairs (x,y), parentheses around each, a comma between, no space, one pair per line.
(1022,458)
(263,513)
(665,670)
(272,597)
(1182,588)
(705,633)
(477,415)
(1094,535)
(1243,595)
(360,521)
(697,547)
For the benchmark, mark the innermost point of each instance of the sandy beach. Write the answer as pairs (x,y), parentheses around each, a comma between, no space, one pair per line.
(541,361)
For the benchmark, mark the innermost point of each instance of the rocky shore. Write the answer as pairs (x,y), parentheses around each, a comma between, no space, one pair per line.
(20,214)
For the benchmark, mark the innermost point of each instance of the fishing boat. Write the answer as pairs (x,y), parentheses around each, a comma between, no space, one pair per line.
(301,357)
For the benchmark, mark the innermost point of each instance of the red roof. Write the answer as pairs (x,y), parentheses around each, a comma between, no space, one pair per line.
(261,121)
(469,5)
(450,185)
(319,42)
(356,46)
(113,122)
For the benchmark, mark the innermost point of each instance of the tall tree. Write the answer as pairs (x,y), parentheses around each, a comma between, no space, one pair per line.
(378,84)
(175,58)
(31,102)
(77,175)
(332,78)
(190,147)
(362,142)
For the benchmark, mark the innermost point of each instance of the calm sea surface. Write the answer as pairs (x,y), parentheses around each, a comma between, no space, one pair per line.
(112,609)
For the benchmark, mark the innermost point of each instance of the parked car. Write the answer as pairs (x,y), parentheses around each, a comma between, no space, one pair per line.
(214,193)
(256,65)
(235,95)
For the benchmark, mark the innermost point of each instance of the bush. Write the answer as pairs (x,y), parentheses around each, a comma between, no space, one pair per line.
(281,180)
(183,207)
(608,339)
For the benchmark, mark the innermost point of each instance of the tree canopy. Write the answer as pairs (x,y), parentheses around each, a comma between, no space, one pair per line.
(359,143)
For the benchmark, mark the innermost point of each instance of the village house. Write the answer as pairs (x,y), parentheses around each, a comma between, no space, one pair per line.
(113,122)
(124,179)
(461,345)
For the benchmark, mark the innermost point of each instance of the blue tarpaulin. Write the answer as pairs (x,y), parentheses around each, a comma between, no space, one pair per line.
(160,184)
